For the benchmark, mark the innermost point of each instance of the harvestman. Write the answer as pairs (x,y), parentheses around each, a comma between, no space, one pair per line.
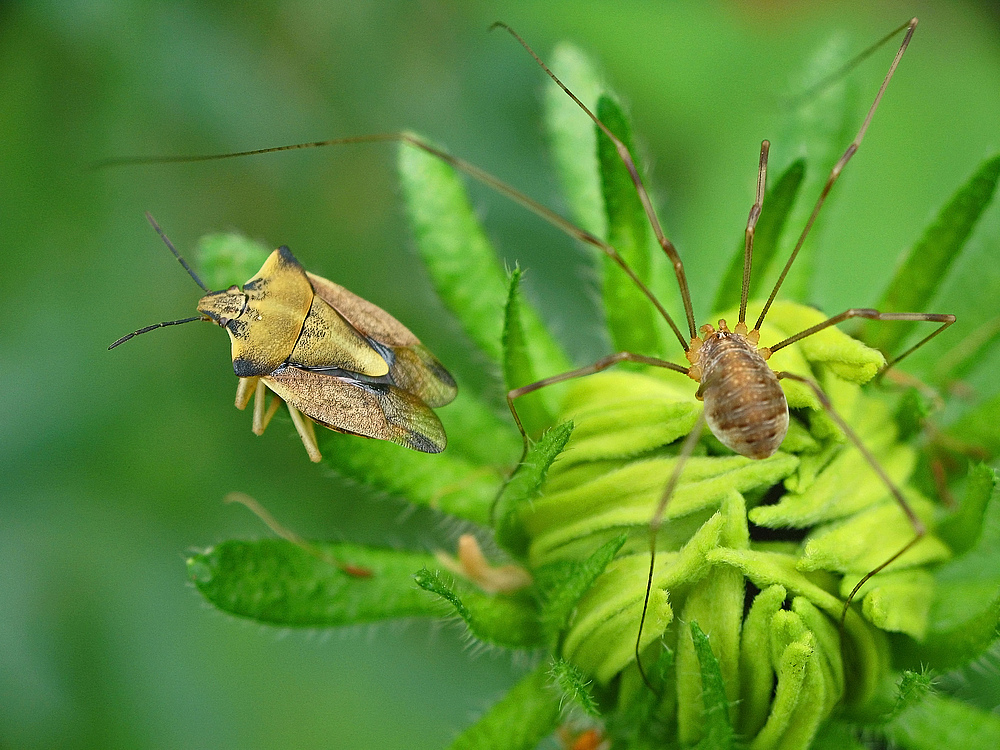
(745,406)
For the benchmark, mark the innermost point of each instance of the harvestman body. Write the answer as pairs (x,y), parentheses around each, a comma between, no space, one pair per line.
(744,404)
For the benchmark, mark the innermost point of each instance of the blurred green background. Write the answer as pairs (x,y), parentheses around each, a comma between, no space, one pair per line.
(115,463)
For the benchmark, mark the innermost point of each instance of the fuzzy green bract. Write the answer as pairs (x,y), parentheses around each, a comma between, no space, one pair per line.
(742,643)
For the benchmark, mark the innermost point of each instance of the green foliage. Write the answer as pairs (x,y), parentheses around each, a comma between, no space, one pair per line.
(228,258)
(500,620)
(519,721)
(276,582)
(518,367)
(570,680)
(524,486)
(744,628)
(917,280)
(716,731)
(630,317)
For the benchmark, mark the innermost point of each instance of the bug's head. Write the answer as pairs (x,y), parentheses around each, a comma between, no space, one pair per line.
(223,307)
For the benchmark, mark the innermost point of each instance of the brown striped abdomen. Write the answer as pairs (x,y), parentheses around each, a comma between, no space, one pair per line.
(745,407)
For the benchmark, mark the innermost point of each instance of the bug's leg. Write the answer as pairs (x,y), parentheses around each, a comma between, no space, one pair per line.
(244,391)
(304,426)
(496,184)
(919,528)
(945,319)
(687,448)
(647,204)
(261,418)
(910,27)
(751,230)
(601,364)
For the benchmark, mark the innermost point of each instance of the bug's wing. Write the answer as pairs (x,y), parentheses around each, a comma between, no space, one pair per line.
(368,318)
(372,410)
(411,365)
(416,370)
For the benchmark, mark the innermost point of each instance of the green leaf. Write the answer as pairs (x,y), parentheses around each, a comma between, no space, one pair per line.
(837,735)
(523,718)
(978,427)
(601,637)
(846,357)
(628,496)
(477,434)
(800,698)
(504,620)
(867,647)
(847,484)
(461,261)
(572,136)
(275,582)
(911,413)
(535,410)
(756,670)
(917,280)
(716,604)
(562,585)
(829,647)
(869,538)
(227,258)
(778,202)
(900,602)
(524,486)
(937,722)
(914,687)
(630,316)
(442,481)
(962,528)
(626,414)
(823,117)
(716,730)
(965,611)
(570,680)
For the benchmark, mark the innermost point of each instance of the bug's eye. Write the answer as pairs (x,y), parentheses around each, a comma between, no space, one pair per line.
(223,321)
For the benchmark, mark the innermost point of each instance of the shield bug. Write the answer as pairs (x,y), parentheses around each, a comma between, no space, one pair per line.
(332,357)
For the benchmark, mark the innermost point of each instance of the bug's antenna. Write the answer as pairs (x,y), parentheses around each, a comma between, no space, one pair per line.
(191,273)
(153,327)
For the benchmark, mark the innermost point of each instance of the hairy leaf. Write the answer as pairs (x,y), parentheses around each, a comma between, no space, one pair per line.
(519,721)
(503,620)
(524,486)
(276,582)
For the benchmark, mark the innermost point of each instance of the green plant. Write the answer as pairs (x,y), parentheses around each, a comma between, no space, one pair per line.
(741,642)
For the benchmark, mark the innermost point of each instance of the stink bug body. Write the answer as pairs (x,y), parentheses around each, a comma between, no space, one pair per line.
(326,353)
